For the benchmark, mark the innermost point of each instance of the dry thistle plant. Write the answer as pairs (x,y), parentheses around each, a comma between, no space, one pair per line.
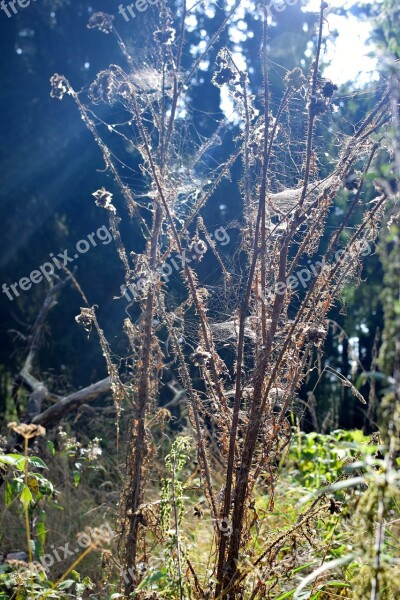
(241,374)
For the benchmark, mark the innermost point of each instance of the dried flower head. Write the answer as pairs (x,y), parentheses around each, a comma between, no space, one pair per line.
(200,357)
(109,84)
(85,318)
(315,334)
(318,105)
(295,79)
(165,36)
(104,199)
(224,75)
(101,21)
(28,431)
(329,88)
(197,249)
(59,86)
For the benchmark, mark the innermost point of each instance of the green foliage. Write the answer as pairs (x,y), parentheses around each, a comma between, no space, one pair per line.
(21,583)
(169,577)
(172,491)
(30,492)
(23,482)
(321,459)
(363,486)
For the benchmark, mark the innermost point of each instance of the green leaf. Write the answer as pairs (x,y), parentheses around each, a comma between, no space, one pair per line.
(286,595)
(333,583)
(26,497)
(8,494)
(17,485)
(51,447)
(4,568)
(38,549)
(65,585)
(14,460)
(305,566)
(41,530)
(77,478)
(37,462)
(333,564)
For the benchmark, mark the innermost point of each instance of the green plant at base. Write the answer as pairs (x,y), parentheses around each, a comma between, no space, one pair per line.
(29,486)
(365,534)
(20,580)
(172,502)
(320,459)
(169,579)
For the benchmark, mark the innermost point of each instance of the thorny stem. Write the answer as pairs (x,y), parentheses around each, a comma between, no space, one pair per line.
(311,108)
(200,436)
(188,273)
(137,445)
(176,81)
(265,180)
(260,224)
(394,106)
(135,477)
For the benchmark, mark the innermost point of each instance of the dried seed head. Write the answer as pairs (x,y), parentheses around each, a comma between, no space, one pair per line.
(295,79)
(59,86)
(315,334)
(101,21)
(28,431)
(276,393)
(200,357)
(85,318)
(165,37)
(108,85)
(318,105)
(329,89)
(104,199)
(224,75)
(335,506)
